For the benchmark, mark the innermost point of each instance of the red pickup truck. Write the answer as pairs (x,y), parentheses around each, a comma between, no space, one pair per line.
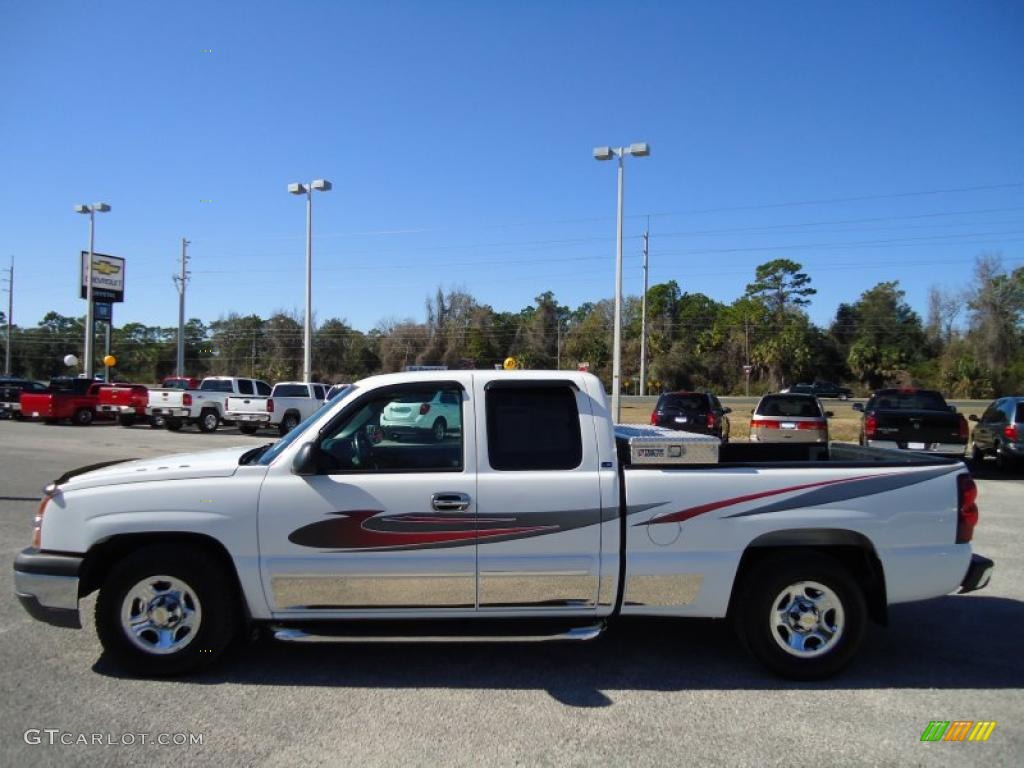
(125,401)
(65,398)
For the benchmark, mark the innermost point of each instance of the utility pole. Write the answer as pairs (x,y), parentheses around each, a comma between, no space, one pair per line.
(181,281)
(558,343)
(746,352)
(10,311)
(643,317)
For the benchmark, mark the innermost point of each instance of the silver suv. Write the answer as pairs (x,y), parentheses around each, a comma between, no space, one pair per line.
(1000,433)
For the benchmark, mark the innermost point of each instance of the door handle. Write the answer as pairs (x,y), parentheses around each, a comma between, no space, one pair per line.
(450,502)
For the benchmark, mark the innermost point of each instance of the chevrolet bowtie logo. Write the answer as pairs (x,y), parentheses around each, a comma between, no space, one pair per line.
(105,268)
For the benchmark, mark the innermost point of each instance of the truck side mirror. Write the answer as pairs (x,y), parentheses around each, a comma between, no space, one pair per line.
(972,417)
(858,407)
(727,410)
(952,409)
(829,414)
(307,461)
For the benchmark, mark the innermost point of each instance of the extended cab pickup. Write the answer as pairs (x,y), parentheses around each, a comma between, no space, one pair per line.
(913,420)
(289,403)
(205,407)
(535,520)
(65,398)
(125,401)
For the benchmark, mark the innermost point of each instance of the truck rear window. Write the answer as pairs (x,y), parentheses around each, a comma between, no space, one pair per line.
(217,385)
(290,390)
(533,428)
(921,400)
(687,402)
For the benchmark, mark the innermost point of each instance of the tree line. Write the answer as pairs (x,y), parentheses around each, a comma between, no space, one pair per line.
(970,343)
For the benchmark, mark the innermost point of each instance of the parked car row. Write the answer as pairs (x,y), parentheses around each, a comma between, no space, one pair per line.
(178,402)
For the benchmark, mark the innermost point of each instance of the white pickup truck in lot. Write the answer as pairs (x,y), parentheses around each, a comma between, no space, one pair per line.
(289,403)
(536,520)
(205,407)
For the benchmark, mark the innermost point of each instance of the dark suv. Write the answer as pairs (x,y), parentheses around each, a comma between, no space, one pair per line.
(1000,432)
(692,412)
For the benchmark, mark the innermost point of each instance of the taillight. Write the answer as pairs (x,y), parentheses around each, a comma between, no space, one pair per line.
(763,424)
(424,409)
(1011,433)
(870,425)
(710,423)
(965,431)
(811,425)
(186,399)
(270,405)
(37,522)
(967,508)
(654,418)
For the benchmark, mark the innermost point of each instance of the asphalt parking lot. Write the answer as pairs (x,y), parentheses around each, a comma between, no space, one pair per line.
(646,693)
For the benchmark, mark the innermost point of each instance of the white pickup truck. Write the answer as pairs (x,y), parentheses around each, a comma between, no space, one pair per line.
(289,403)
(536,520)
(205,407)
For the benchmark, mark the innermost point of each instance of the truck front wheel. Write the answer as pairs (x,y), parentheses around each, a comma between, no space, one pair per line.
(126,419)
(288,423)
(164,610)
(208,421)
(801,615)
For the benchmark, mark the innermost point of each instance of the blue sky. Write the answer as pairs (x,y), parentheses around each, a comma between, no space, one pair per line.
(868,141)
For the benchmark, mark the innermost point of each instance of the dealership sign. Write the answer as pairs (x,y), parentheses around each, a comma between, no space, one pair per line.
(107,277)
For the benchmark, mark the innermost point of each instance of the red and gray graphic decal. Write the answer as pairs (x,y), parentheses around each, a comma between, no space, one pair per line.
(817,494)
(369,530)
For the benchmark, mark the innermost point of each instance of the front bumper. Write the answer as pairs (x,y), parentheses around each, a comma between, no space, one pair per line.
(46,583)
(978,575)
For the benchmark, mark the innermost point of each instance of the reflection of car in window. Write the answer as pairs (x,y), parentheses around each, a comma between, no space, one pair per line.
(433,413)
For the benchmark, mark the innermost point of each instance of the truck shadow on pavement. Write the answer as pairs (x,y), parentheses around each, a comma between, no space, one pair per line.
(950,642)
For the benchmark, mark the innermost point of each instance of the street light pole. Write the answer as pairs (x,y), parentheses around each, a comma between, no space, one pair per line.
(607,153)
(643,322)
(180,281)
(321,185)
(90,318)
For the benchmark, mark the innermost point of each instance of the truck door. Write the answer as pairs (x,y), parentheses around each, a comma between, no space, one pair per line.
(538,497)
(389,521)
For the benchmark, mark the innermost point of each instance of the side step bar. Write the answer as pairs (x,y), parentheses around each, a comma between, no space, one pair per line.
(293,635)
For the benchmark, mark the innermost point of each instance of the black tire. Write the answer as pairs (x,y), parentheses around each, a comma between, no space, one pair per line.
(248,429)
(288,423)
(977,455)
(208,420)
(126,419)
(83,417)
(173,424)
(156,422)
(211,585)
(754,604)
(439,430)
(1004,463)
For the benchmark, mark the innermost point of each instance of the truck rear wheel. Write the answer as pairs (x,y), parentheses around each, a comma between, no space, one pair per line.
(164,610)
(801,615)
(208,420)
(83,417)
(156,422)
(288,423)
(126,419)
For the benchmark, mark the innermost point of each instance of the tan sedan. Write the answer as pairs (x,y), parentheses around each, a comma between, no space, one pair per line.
(789,419)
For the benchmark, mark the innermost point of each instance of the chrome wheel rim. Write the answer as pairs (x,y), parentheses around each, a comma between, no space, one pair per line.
(807,619)
(161,615)
(210,421)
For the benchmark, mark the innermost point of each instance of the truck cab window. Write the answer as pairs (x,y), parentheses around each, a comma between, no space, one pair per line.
(244,387)
(533,428)
(405,429)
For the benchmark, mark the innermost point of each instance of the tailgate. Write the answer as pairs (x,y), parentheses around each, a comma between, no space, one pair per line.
(166,398)
(918,426)
(247,404)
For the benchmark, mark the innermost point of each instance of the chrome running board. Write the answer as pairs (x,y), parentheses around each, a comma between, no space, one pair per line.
(291,635)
